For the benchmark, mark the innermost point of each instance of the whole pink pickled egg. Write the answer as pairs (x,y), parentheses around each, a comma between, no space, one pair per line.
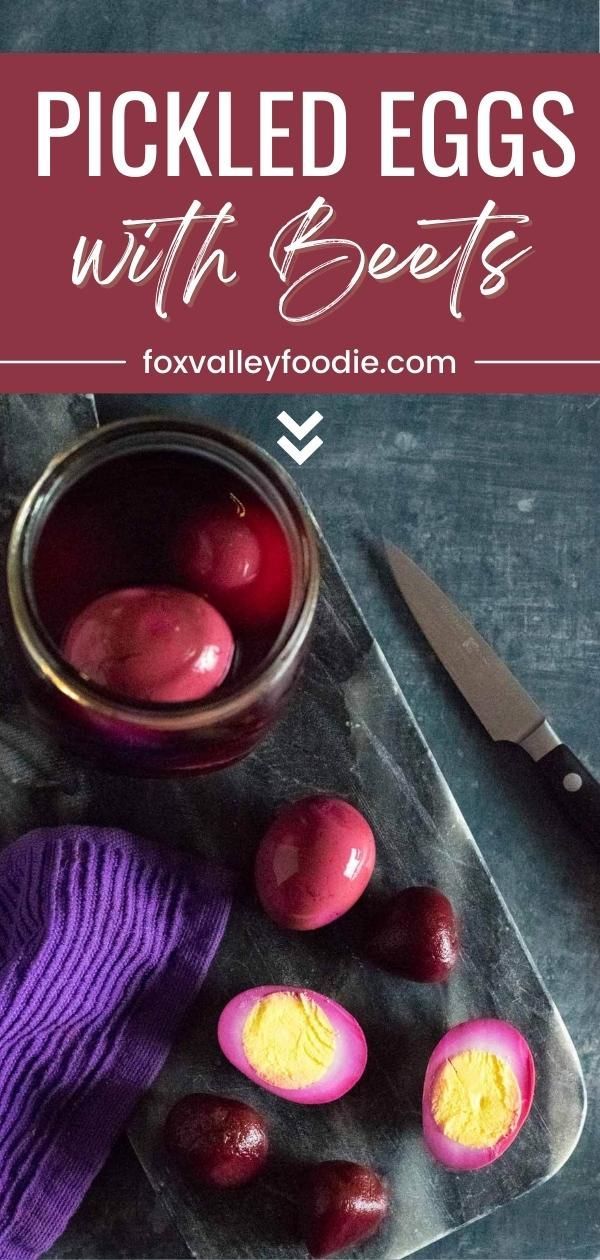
(477,1094)
(314,862)
(151,643)
(236,554)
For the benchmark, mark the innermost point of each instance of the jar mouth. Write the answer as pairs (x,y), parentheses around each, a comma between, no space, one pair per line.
(232,452)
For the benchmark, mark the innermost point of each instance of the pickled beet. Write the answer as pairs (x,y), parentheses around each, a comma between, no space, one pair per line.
(416,935)
(216,1141)
(346,1204)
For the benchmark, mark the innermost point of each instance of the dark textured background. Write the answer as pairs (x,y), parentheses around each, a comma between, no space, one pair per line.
(299,25)
(499,497)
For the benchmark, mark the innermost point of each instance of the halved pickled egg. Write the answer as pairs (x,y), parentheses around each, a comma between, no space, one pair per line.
(478,1092)
(293,1042)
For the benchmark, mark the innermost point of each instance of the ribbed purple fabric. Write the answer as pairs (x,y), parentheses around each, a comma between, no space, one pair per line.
(104,942)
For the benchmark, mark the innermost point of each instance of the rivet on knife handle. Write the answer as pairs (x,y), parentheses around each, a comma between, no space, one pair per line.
(576,789)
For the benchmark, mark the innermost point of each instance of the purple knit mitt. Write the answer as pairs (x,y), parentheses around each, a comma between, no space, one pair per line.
(104,942)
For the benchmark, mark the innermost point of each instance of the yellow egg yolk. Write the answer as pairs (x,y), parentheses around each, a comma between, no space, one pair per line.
(476,1098)
(288,1040)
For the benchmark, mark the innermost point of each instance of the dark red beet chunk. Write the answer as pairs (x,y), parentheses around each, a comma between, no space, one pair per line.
(416,936)
(216,1141)
(346,1205)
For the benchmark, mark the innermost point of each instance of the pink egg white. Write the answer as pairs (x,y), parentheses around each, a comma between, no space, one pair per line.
(497,1038)
(349,1058)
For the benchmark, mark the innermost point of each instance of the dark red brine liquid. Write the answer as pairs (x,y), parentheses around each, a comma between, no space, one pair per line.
(163,579)
(145,537)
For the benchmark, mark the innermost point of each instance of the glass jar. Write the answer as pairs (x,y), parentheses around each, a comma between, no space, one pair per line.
(60,545)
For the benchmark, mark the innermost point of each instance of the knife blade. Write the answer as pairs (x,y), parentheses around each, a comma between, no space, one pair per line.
(494,694)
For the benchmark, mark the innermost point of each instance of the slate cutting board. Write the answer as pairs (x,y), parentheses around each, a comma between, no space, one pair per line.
(347,731)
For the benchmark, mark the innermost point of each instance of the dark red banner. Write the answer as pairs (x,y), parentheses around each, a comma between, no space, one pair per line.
(318,223)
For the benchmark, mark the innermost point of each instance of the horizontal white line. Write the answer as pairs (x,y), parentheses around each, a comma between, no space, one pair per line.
(50,362)
(549,362)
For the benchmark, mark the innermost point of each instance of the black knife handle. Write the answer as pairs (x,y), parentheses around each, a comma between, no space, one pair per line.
(574,787)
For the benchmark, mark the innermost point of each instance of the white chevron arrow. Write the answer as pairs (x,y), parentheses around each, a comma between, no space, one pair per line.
(300,430)
(300,455)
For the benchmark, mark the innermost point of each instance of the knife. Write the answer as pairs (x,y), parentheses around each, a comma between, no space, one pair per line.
(494,694)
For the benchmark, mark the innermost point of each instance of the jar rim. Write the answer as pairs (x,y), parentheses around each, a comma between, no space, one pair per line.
(248,458)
